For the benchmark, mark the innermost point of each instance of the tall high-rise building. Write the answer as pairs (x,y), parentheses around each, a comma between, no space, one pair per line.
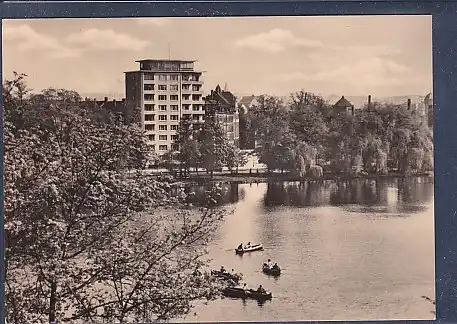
(162,92)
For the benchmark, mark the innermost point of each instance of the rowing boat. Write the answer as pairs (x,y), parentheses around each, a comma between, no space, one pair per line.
(271,271)
(252,248)
(227,276)
(241,293)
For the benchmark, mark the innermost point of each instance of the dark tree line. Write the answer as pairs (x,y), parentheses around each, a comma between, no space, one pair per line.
(306,134)
(203,145)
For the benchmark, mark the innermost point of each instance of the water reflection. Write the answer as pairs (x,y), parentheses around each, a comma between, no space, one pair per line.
(231,193)
(312,193)
(369,195)
(349,250)
(244,302)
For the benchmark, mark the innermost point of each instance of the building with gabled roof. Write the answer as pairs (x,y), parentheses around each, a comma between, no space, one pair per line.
(225,99)
(343,106)
(247,102)
(221,105)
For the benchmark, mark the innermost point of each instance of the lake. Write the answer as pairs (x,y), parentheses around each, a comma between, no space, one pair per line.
(355,250)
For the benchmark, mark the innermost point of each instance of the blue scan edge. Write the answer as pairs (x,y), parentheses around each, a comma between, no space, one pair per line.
(445,90)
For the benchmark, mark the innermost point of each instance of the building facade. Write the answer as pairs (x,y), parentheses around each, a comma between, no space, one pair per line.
(160,94)
(221,105)
(418,108)
(247,132)
(423,109)
(428,102)
(114,106)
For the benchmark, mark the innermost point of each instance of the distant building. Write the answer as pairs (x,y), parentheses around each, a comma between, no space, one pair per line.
(222,106)
(418,108)
(424,109)
(247,132)
(343,106)
(428,102)
(247,102)
(162,92)
(117,107)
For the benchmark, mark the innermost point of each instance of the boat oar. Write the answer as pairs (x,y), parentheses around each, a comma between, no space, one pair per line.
(278,297)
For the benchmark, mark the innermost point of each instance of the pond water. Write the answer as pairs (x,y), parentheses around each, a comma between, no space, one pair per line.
(357,250)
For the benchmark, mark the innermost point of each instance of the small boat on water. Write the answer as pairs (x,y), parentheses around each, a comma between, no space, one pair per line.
(252,248)
(245,294)
(273,271)
(234,292)
(254,294)
(226,275)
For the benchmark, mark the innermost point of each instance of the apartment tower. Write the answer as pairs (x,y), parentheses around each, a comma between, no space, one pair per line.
(162,92)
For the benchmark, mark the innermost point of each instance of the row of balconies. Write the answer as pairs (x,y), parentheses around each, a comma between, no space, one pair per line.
(162,148)
(172,98)
(151,128)
(189,82)
(150,118)
(160,131)
(153,108)
(172,91)
(192,91)
(161,138)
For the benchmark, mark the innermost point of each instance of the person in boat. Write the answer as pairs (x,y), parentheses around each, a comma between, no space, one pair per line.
(275,266)
(261,290)
(222,269)
(269,264)
(240,247)
(248,245)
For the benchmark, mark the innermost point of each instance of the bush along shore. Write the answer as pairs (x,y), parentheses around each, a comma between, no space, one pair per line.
(265,176)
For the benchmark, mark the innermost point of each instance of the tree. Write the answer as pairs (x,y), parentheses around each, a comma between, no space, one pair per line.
(247,131)
(235,158)
(307,117)
(278,154)
(214,145)
(275,137)
(169,160)
(395,130)
(14,97)
(83,239)
(304,157)
(188,146)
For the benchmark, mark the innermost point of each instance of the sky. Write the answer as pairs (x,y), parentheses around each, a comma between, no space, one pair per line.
(343,55)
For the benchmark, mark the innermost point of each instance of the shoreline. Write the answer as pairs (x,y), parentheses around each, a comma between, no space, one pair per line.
(264,177)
